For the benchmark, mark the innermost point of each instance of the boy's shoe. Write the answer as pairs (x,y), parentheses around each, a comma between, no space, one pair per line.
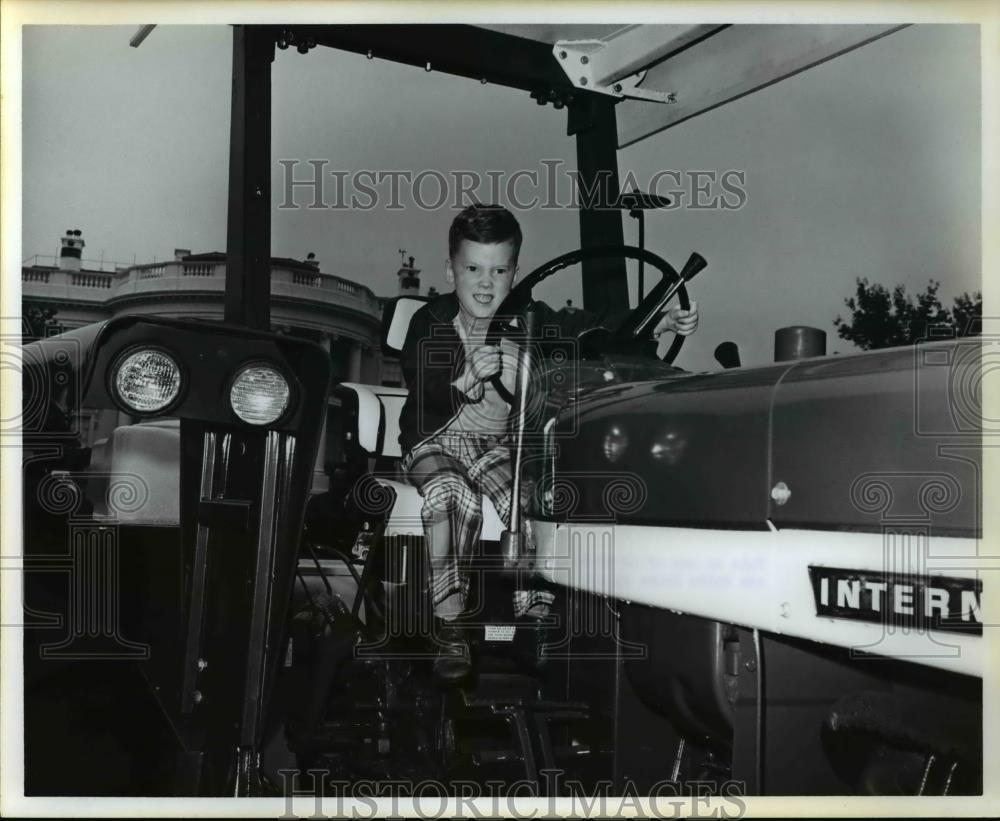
(454,659)
(529,642)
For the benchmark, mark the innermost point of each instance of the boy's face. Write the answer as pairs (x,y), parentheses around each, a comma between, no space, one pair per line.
(482,274)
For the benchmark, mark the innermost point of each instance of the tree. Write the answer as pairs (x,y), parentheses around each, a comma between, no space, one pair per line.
(884,319)
(968,314)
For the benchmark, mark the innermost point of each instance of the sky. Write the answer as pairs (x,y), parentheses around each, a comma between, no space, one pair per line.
(867,165)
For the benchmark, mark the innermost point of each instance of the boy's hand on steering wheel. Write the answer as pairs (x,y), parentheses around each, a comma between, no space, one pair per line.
(679,321)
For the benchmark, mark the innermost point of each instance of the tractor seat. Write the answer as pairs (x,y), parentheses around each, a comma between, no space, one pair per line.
(371,424)
(134,474)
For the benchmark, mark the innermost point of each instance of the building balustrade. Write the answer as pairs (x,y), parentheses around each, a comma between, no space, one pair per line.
(199,269)
(335,288)
(174,276)
(311,280)
(86,280)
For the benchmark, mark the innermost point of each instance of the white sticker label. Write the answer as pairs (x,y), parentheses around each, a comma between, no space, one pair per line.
(500,632)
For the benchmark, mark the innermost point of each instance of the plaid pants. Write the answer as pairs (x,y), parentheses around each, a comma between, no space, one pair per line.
(452,472)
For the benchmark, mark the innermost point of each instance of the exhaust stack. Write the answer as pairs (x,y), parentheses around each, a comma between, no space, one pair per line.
(798,342)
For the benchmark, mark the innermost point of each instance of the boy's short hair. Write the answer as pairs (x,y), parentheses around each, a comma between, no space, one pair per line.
(484,223)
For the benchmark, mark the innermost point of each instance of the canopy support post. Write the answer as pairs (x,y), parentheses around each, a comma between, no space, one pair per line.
(592,120)
(248,234)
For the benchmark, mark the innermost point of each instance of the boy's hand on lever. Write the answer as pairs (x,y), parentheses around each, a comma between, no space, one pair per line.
(484,363)
(679,321)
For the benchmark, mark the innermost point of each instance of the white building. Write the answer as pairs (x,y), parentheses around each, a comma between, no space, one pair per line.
(342,315)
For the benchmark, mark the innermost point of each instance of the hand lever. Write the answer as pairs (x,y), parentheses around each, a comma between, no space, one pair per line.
(510,539)
(659,298)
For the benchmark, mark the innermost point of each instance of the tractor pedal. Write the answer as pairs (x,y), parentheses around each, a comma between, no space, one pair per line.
(494,689)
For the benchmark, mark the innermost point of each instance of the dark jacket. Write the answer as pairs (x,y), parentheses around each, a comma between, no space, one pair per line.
(433,357)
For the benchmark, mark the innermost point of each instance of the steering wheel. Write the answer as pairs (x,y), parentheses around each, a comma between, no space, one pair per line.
(519,299)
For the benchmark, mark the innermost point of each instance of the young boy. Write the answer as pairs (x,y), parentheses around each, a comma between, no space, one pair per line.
(454,422)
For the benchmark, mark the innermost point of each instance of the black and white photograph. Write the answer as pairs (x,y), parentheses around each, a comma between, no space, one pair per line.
(466,411)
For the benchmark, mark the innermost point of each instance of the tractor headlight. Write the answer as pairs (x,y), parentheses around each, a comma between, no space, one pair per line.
(668,447)
(615,442)
(147,380)
(259,394)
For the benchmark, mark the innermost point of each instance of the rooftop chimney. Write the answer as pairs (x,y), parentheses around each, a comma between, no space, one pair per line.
(409,279)
(180,253)
(71,253)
